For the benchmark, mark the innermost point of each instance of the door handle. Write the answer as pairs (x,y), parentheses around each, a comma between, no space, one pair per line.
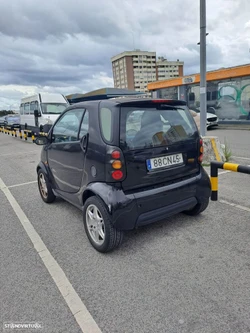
(84,143)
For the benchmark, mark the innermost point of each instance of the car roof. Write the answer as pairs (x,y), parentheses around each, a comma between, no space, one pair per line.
(148,100)
(126,101)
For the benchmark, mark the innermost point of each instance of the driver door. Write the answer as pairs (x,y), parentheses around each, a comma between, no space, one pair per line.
(65,155)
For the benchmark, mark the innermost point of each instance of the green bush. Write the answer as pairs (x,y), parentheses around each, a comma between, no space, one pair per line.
(5,113)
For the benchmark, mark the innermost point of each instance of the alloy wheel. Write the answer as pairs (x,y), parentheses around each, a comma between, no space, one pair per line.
(95,224)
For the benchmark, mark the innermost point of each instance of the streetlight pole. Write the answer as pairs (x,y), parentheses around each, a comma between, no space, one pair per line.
(203,83)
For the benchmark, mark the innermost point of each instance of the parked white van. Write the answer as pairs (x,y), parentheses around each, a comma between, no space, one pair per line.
(41,109)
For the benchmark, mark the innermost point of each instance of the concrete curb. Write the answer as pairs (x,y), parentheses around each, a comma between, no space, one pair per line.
(233,127)
(213,150)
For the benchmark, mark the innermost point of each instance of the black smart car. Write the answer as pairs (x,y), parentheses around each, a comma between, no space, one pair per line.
(125,163)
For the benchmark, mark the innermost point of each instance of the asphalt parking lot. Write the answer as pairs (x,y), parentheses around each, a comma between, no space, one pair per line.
(183,275)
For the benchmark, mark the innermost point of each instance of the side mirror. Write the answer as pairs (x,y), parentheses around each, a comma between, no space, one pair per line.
(37,113)
(41,140)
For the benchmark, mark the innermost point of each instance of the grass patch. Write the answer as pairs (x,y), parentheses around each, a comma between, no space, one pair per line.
(227,151)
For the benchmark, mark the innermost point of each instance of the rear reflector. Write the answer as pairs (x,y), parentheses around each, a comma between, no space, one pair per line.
(117,175)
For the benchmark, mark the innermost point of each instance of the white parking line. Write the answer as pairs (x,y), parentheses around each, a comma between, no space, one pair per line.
(222,172)
(75,304)
(22,184)
(235,205)
(241,158)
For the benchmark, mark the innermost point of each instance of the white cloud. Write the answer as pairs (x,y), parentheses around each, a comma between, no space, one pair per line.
(66,46)
(247,25)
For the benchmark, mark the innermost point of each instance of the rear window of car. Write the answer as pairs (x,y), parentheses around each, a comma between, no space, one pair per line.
(153,127)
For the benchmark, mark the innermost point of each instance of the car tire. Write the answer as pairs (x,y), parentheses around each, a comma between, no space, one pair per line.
(199,208)
(103,236)
(45,187)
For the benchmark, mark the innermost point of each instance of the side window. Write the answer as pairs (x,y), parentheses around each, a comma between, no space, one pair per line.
(106,123)
(67,127)
(33,106)
(21,108)
(85,125)
(27,108)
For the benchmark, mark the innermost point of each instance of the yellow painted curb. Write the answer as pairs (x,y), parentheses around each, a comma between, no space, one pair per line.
(217,155)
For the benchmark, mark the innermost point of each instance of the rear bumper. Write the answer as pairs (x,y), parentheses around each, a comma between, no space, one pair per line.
(164,212)
(149,206)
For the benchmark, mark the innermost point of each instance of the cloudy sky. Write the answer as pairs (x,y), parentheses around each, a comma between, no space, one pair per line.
(65,46)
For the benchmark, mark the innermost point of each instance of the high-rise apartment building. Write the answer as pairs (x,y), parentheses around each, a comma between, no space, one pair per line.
(135,69)
(168,69)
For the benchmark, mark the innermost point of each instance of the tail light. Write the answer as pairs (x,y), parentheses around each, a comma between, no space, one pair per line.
(115,165)
(116,154)
(117,175)
(201,150)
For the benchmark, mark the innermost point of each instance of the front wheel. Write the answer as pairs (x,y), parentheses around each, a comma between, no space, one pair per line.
(45,188)
(98,226)
(199,208)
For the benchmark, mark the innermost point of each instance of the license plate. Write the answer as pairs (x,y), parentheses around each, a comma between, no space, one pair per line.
(164,161)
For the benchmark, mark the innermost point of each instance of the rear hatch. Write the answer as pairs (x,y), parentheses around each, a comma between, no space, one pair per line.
(160,143)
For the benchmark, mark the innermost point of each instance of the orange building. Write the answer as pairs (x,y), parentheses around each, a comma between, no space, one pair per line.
(228,91)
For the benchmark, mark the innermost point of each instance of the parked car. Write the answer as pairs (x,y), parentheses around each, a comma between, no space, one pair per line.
(212,119)
(125,163)
(12,119)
